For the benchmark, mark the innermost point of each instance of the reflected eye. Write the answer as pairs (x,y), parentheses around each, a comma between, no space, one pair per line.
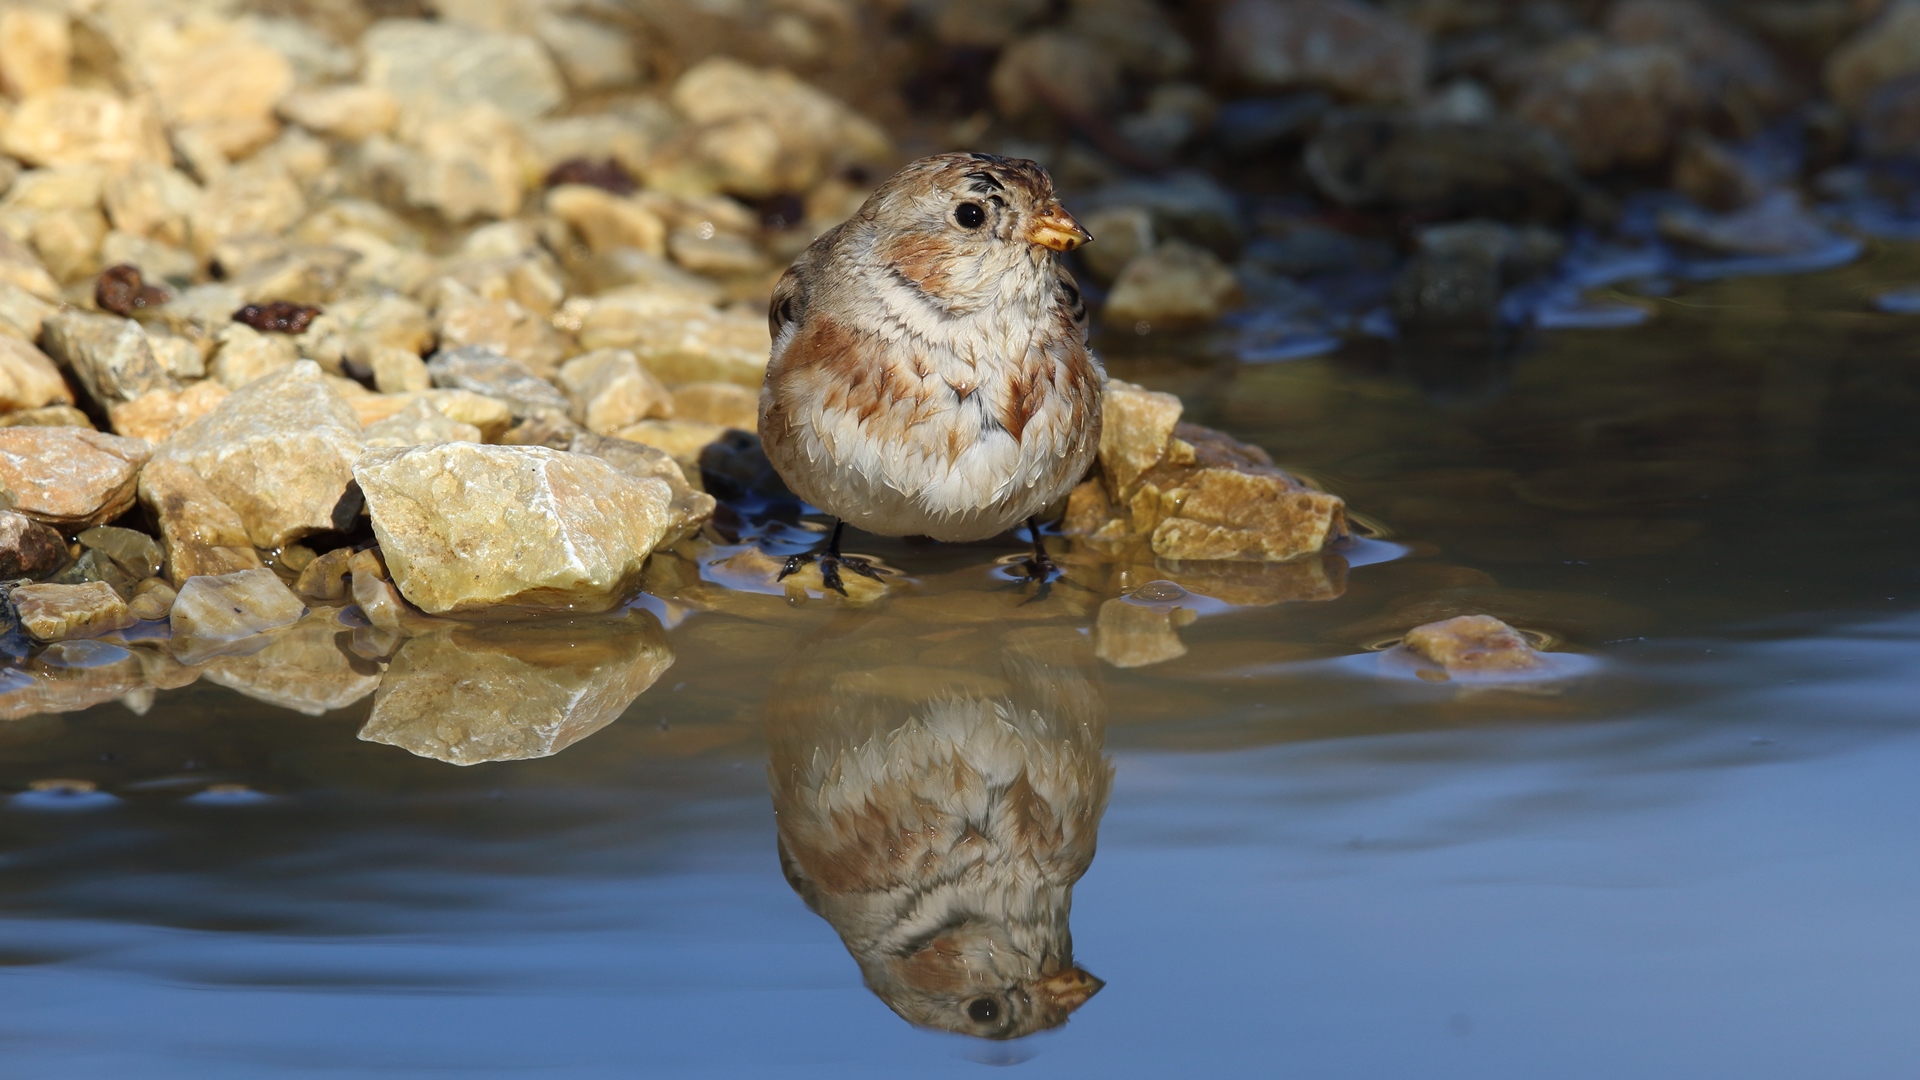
(983,1010)
(970,215)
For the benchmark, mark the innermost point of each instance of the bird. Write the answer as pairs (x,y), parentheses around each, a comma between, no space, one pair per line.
(937,810)
(930,374)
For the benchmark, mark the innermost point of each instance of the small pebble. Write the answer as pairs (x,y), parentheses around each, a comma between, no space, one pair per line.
(278,317)
(123,291)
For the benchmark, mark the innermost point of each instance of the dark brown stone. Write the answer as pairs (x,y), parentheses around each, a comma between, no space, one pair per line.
(607,175)
(28,548)
(278,317)
(123,291)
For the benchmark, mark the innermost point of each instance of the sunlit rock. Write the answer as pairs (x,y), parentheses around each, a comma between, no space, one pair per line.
(435,68)
(683,345)
(305,668)
(1136,426)
(482,370)
(211,615)
(682,440)
(76,126)
(257,197)
(36,50)
(419,424)
(279,451)
(726,404)
(28,548)
(215,82)
(58,612)
(157,414)
(608,222)
(351,112)
(1473,645)
(134,551)
(691,507)
(109,355)
(490,415)
(70,477)
(28,379)
(610,390)
(760,132)
(152,600)
(467,528)
(200,532)
(506,694)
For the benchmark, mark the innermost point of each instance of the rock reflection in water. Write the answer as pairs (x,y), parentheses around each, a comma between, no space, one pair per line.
(936,801)
(504,693)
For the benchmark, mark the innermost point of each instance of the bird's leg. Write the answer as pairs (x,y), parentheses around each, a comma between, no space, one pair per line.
(831,561)
(1038,566)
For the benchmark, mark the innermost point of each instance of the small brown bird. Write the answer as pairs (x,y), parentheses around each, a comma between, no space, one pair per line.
(936,803)
(930,373)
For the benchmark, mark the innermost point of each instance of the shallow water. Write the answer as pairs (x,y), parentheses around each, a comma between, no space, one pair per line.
(1689,856)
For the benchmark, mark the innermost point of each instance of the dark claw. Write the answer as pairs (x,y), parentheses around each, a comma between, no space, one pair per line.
(830,574)
(831,562)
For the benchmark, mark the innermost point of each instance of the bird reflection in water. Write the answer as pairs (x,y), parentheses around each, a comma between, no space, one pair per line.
(937,798)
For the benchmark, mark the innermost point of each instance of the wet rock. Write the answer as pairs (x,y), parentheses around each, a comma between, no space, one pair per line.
(1613,106)
(157,414)
(246,355)
(1053,72)
(28,379)
(1352,49)
(1463,268)
(70,477)
(379,601)
(1713,175)
(726,404)
(351,112)
(477,695)
(279,451)
(1776,225)
(439,68)
(490,415)
(1405,163)
(680,344)
(1174,283)
(1884,50)
(28,548)
(610,390)
(134,552)
(481,370)
(76,126)
(419,424)
(606,222)
(36,50)
(468,528)
(109,356)
(304,669)
(1136,429)
(690,508)
(1129,634)
(200,532)
(760,132)
(213,615)
(59,612)
(1473,645)
(152,600)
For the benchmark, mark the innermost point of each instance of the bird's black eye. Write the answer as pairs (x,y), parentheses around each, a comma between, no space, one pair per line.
(983,1010)
(970,215)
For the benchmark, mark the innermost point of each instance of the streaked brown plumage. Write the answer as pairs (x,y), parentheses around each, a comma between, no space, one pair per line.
(936,803)
(930,372)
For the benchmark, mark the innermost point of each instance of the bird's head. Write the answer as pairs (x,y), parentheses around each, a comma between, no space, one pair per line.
(972,978)
(954,222)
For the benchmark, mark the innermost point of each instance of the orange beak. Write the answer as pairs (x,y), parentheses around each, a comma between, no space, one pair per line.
(1057,230)
(1069,989)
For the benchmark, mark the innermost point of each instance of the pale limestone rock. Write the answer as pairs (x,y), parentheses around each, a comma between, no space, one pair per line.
(396,371)
(716,254)
(380,602)
(325,578)
(157,414)
(465,320)
(28,548)
(46,416)
(181,358)
(1131,635)
(763,131)
(73,126)
(70,477)
(679,344)
(439,68)
(36,50)
(592,55)
(302,274)
(216,81)
(605,221)
(468,528)
(610,390)
(682,440)
(727,404)
(59,612)
(63,187)
(1054,71)
(1174,283)
(258,197)
(630,132)
(1235,514)
(152,600)
(110,356)
(419,424)
(28,378)
(481,370)
(279,451)
(68,242)
(691,507)
(490,415)
(354,328)
(152,200)
(1473,645)
(351,112)
(212,615)
(201,534)
(477,694)
(303,669)
(246,354)
(1136,424)
(469,166)
(21,269)
(22,313)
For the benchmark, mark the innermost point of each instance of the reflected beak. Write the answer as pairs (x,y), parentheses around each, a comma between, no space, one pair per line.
(1057,230)
(1071,988)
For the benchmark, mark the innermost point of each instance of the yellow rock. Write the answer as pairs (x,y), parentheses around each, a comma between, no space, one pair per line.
(727,404)
(201,534)
(157,414)
(59,612)
(1473,644)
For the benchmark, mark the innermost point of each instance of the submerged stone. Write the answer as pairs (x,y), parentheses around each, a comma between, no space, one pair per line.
(211,614)
(1473,644)
(305,669)
(466,528)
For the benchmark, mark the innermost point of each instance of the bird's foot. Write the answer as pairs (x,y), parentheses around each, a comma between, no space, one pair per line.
(1038,569)
(831,563)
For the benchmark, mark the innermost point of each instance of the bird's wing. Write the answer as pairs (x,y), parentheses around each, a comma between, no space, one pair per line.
(1071,301)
